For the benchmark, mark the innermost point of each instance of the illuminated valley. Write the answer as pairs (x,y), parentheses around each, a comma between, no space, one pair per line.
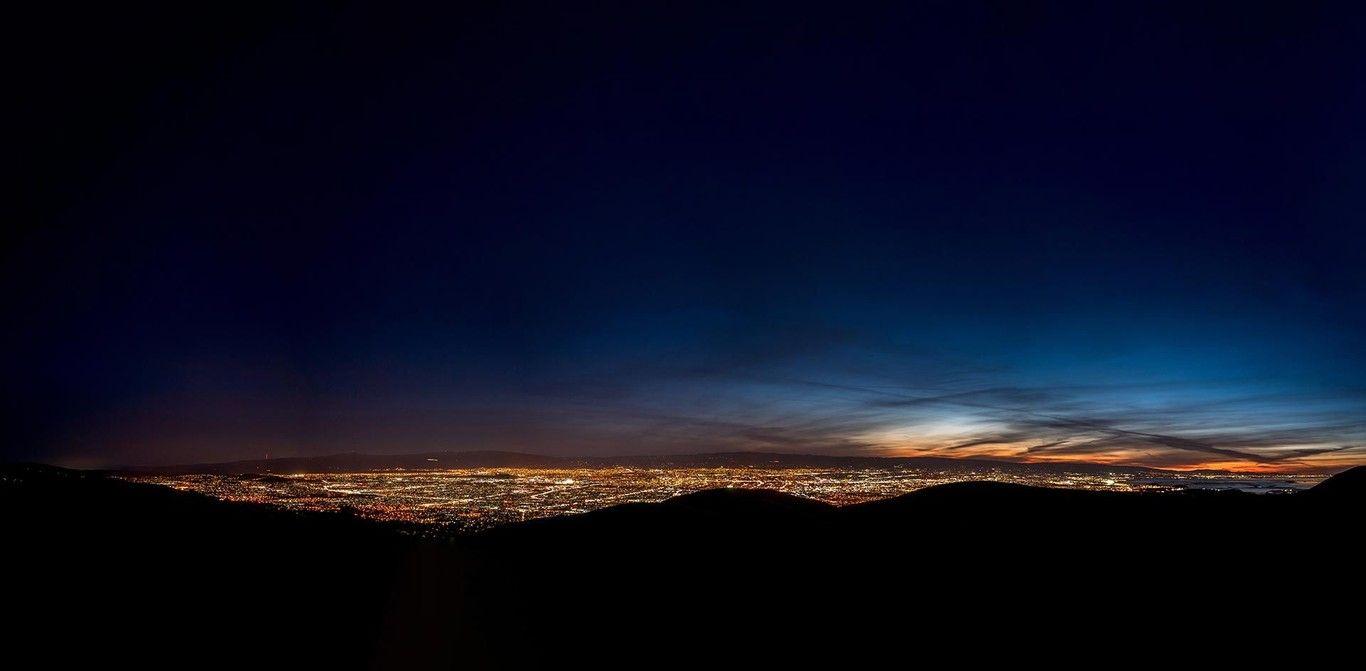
(478,498)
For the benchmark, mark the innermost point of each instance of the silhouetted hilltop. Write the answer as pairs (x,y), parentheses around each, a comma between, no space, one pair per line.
(967,493)
(1350,483)
(730,498)
(972,490)
(140,573)
(139,568)
(709,511)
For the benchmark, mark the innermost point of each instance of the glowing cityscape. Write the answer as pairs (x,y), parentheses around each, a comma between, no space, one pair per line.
(478,498)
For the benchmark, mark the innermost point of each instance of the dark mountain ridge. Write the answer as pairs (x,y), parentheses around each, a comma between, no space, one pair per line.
(1348,485)
(153,576)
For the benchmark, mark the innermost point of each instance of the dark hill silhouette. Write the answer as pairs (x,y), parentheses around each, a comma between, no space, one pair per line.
(155,577)
(727,499)
(140,571)
(1349,484)
(706,514)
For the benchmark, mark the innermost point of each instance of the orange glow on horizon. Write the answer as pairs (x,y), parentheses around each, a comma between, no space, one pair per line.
(1141,457)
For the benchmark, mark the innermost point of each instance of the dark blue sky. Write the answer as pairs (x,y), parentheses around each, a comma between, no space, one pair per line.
(1020,230)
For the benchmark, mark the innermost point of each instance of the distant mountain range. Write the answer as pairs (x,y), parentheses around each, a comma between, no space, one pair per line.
(357,462)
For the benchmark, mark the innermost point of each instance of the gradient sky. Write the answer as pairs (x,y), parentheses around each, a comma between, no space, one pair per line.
(1020,230)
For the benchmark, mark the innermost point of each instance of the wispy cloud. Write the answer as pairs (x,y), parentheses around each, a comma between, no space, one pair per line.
(1173,424)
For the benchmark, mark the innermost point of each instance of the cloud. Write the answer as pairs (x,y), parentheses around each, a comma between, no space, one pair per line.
(1044,446)
(1097,419)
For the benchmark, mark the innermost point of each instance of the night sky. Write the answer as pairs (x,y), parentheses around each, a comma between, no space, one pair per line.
(1019,230)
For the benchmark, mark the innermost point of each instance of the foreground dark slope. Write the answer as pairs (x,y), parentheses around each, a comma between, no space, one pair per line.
(164,578)
(109,570)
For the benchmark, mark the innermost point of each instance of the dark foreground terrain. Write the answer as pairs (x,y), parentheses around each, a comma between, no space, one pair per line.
(108,572)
